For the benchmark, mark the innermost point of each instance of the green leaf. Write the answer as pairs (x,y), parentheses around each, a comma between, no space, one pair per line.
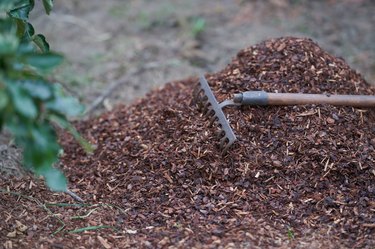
(89,148)
(48,4)
(45,61)
(63,123)
(55,180)
(198,26)
(8,43)
(40,41)
(7,26)
(25,48)
(6,5)
(21,28)
(24,30)
(29,32)
(22,10)
(23,103)
(3,99)
(8,37)
(25,106)
(24,93)
(65,105)
(18,128)
(40,146)
(37,88)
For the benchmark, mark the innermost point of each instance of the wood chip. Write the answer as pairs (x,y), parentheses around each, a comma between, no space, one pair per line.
(159,176)
(104,242)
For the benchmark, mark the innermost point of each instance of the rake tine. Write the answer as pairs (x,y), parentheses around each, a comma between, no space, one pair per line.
(226,147)
(223,141)
(213,119)
(220,134)
(213,110)
(209,112)
(196,93)
(206,106)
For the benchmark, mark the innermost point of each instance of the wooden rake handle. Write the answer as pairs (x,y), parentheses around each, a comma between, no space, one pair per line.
(263,98)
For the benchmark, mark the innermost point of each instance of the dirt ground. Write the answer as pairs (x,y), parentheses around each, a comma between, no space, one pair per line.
(118,51)
(105,42)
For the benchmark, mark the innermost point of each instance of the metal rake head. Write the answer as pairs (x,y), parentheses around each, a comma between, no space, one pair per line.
(206,100)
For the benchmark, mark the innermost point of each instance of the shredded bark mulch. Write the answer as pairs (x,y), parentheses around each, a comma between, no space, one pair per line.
(299,176)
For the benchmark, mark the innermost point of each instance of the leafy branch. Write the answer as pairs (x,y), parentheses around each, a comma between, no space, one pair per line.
(30,105)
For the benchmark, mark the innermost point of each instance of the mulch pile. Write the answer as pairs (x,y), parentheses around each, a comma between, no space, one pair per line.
(299,176)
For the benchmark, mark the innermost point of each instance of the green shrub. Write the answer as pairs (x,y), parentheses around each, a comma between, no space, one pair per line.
(31,106)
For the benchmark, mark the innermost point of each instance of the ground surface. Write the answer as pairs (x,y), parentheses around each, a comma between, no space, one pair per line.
(180,192)
(104,42)
(298,176)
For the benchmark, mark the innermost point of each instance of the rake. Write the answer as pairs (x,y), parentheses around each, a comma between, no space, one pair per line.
(205,99)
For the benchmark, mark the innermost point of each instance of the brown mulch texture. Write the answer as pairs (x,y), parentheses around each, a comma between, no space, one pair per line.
(298,177)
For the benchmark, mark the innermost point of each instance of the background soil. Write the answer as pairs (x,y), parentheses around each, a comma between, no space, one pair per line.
(105,41)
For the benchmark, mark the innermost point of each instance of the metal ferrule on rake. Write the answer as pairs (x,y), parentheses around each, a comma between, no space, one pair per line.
(213,110)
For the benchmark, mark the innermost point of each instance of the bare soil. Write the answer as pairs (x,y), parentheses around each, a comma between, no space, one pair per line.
(104,42)
(300,177)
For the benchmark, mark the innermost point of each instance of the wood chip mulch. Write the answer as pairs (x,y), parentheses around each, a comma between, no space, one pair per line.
(298,177)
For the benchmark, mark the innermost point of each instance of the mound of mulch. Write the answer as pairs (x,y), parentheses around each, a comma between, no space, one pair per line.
(299,176)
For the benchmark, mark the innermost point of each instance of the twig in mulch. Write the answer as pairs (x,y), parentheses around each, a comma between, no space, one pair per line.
(74,196)
(68,205)
(84,216)
(39,203)
(61,222)
(83,229)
